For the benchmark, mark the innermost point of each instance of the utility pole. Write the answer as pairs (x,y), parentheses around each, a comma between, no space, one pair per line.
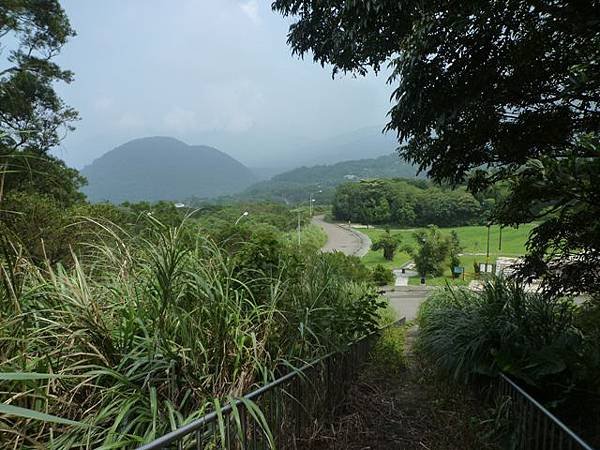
(487,252)
(500,240)
(311,200)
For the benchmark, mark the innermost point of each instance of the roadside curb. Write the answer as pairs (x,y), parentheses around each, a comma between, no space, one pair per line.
(365,241)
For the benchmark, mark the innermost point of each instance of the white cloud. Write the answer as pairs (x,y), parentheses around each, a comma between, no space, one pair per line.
(250,8)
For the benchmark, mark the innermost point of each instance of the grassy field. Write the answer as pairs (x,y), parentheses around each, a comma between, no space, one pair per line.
(473,240)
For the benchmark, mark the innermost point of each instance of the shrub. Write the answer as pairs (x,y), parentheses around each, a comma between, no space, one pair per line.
(382,276)
(526,335)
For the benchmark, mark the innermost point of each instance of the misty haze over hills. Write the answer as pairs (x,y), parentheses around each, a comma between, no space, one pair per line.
(273,153)
(163,168)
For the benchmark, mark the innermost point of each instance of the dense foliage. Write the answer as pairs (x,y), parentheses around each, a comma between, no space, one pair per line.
(491,90)
(382,276)
(549,345)
(431,250)
(140,333)
(31,113)
(408,203)
(32,116)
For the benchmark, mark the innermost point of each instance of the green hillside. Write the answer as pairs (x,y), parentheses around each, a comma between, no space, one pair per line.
(163,168)
(295,185)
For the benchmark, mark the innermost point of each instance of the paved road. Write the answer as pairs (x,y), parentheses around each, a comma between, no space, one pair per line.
(343,239)
(407,299)
(403,298)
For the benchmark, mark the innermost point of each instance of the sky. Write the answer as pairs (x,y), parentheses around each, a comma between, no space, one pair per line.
(214,72)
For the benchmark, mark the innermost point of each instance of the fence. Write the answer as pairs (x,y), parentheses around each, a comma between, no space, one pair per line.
(533,426)
(279,414)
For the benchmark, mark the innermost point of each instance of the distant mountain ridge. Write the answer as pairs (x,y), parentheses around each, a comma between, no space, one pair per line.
(387,166)
(266,151)
(295,185)
(164,168)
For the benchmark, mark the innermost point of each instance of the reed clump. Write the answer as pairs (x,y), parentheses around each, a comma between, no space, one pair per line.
(141,334)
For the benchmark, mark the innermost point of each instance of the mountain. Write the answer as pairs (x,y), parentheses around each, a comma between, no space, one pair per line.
(296,185)
(270,152)
(163,168)
(388,166)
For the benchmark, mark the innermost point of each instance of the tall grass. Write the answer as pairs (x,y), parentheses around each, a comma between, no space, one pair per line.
(141,336)
(502,328)
(548,344)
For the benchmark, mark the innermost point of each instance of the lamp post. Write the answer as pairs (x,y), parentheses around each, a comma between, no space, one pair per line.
(311,200)
(241,217)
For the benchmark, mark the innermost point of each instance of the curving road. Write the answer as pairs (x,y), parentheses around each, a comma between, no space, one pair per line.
(342,238)
(403,298)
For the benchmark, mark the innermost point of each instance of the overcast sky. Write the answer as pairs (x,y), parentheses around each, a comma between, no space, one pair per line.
(189,68)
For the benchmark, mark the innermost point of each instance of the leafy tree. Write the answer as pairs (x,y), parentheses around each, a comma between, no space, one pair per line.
(404,203)
(32,115)
(565,247)
(490,91)
(389,243)
(431,251)
(454,250)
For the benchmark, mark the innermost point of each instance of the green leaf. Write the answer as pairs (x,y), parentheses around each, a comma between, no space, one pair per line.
(23,376)
(11,410)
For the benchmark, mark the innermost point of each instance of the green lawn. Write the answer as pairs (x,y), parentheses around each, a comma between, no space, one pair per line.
(473,240)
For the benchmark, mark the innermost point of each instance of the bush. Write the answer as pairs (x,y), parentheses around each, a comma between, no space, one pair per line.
(535,339)
(382,276)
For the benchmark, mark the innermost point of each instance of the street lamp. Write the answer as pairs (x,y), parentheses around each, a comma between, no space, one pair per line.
(311,200)
(241,217)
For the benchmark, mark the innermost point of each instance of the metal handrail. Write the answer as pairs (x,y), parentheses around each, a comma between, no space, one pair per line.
(197,425)
(572,437)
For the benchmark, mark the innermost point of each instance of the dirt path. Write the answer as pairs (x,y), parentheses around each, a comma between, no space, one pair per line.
(343,238)
(410,410)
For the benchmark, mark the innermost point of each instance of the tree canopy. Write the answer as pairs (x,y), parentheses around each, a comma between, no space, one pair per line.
(31,113)
(480,82)
(409,203)
(33,118)
(486,90)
